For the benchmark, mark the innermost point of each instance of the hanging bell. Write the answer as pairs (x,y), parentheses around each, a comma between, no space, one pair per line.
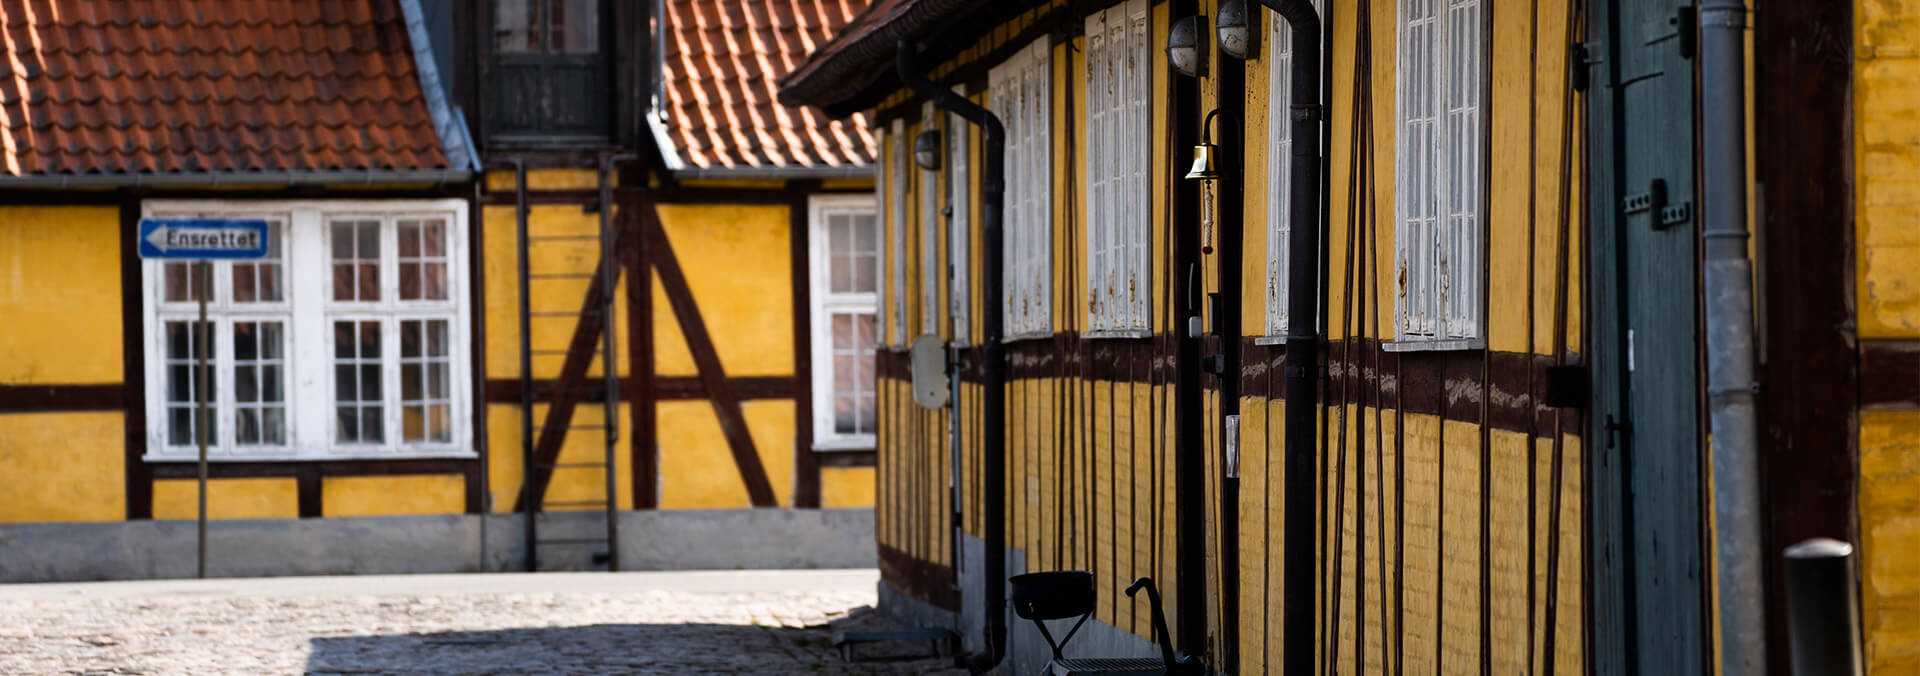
(1202,163)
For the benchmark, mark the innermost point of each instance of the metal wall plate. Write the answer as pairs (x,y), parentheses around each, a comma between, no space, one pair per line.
(929,357)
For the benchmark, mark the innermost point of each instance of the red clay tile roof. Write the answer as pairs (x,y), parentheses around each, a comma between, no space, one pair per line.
(722,60)
(195,86)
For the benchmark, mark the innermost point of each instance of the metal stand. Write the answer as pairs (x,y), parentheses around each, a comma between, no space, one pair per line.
(201,419)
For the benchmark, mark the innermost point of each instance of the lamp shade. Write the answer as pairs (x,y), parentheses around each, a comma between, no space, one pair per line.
(926,150)
(1183,47)
(1237,37)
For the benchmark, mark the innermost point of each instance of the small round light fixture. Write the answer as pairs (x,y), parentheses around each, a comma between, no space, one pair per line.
(926,150)
(1237,39)
(1183,47)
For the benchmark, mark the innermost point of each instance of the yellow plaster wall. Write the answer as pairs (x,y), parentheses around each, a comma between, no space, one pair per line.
(1886,113)
(267,498)
(697,470)
(562,295)
(546,179)
(63,467)
(846,487)
(393,495)
(737,260)
(1886,123)
(1890,540)
(60,295)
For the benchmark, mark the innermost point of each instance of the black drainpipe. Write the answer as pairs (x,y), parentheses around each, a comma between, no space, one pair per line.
(993,185)
(1303,335)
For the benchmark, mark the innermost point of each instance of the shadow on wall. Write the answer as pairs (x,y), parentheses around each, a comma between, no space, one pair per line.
(617,649)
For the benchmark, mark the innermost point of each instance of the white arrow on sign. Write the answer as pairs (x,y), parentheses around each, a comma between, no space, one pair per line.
(158,238)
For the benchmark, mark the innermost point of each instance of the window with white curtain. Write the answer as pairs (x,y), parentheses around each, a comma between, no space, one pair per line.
(1440,160)
(930,264)
(897,231)
(1118,133)
(1279,165)
(349,340)
(1020,92)
(844,268)
(960,225)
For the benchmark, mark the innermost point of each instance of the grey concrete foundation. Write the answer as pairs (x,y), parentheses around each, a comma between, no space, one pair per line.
(451,543)
(1027,651)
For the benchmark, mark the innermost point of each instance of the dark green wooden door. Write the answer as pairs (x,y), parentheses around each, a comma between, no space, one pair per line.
(1646,520)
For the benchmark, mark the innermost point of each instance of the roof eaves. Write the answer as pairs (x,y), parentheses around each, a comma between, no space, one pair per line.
(454,139)
(835,73)
(247,178)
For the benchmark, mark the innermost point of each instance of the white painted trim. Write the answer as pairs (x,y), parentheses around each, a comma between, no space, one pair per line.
(307,309)
(1021,94)
(821,304)
(1440,213)
(959,225)
(1119,126)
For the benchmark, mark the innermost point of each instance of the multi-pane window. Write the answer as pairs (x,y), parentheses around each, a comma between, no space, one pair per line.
(844,271)
(1279,166)
(929,234)
(346,341)
(1118,132)
(1020,93)
(245,344)
(959,224)
(549,70)
(1439,151)
(897,231)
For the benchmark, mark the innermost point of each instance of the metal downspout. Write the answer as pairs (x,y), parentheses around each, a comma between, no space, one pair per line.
(1303,337)
(1728,301)
(993,401)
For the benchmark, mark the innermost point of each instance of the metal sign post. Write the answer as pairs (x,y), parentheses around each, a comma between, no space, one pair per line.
(202,240)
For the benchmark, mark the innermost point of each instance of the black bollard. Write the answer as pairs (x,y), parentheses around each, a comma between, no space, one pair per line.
(1823,621)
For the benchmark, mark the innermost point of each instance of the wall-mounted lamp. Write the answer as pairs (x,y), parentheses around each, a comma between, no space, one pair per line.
(1183,47)
(926,150)
(1237,39)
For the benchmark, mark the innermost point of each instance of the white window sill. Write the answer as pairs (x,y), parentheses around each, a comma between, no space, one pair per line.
(457,455)
(845,446)
(1018,337)
(1270,340)
(1430,345)
(1118,333)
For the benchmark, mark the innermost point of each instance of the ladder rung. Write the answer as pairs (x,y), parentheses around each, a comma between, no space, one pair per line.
(559,238)
(575,503)
(559,275)
(564,313)
(572,465)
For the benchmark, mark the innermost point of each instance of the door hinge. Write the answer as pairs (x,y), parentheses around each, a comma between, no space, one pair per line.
(1655,200)
(1686,26)
(1620,426)
(1582,61)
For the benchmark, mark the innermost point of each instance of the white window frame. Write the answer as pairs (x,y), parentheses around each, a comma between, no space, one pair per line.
(1119,127)
(959,225)
(930,267)
(897,231)
(1021,94)
(308,310)
(1280,167)
(823,304)
(1440,160)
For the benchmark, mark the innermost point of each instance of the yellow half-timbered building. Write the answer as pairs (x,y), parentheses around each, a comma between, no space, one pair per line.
(1533,437)
(551,284)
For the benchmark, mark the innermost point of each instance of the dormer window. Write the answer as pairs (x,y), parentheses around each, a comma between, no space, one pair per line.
(550,74)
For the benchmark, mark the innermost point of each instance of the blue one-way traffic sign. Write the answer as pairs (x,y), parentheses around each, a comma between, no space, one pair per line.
(202,238)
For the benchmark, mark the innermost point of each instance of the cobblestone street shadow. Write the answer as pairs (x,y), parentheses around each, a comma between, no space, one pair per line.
(691,648)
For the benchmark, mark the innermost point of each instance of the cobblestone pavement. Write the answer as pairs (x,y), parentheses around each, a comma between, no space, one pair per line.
(737,622)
